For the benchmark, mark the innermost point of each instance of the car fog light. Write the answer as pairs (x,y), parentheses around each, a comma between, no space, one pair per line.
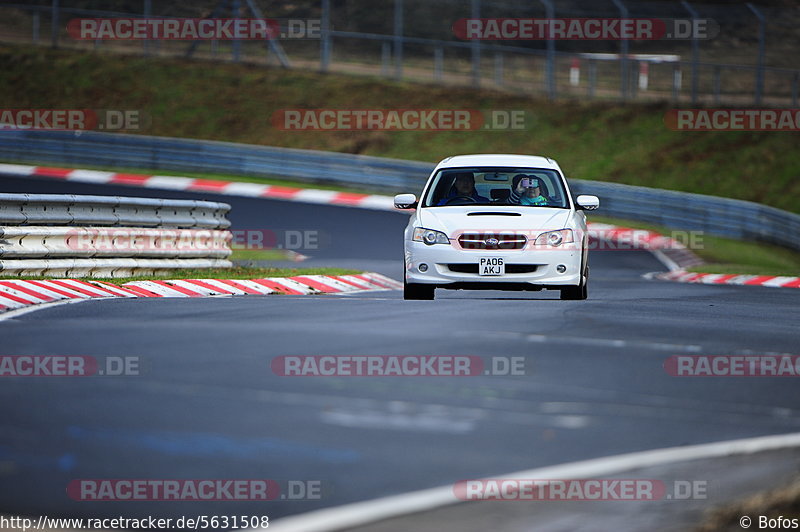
(561,268)
(423,267)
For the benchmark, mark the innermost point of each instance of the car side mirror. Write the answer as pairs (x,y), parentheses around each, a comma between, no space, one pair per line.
(587,203)
(405,201)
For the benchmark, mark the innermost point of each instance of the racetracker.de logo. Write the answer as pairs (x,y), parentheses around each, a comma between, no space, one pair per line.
(395,366)
(73,119)
(398,119)
(134,240)
(526,489)
(733,119)
(173,490)
(733,365)
(169,29)
(583,29)
(67,366)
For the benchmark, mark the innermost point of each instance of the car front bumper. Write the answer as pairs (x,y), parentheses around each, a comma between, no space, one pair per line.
(440,257)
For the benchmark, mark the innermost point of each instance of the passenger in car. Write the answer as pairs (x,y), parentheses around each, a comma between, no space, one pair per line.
(526,190)
(463,187)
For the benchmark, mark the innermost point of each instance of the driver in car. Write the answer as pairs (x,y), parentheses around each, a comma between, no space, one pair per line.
(526,190)
(463,188)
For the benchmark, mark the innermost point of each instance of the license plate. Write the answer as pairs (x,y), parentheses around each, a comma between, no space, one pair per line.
(491,266)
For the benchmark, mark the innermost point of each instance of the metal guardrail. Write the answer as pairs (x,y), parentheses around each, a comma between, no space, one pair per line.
(680,210)
(109,236)
(58,209)
(118,242)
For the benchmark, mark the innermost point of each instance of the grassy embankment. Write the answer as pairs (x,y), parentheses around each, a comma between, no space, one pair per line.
(605,141)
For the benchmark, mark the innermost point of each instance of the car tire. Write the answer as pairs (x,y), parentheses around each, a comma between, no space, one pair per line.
(416,291)
(577,293)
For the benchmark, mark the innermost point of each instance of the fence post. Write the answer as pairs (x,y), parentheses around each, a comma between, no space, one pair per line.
(36,25)
(498,69)
(236,45)
(55,27)
(677,81)
(592,77)
(761,45)
(325,41)
(386,58)
(551,50)
(794,89)
(398,39)
(633,80)
(438,63)
(717,83)
(148,11)
(475,13)
(695,50)
(624,67)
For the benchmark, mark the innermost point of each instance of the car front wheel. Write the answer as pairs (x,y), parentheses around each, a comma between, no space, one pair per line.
(579,292)
(415,291)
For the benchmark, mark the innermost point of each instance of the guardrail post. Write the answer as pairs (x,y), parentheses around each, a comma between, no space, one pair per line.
(398,39)
(761,52)
(550,68)
(623,52)
(695,50)
(325,41)
(55,24)
(475,45)
(438,63)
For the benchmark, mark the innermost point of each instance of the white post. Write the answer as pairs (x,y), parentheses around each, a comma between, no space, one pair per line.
(644,71)
(575,72)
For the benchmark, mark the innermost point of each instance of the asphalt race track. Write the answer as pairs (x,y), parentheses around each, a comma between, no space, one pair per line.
(207,404)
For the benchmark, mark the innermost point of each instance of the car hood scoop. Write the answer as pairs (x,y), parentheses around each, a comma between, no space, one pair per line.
(501,213)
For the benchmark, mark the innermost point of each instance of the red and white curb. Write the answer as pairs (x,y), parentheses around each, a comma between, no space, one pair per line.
(670,252)
(729,279)
(676,257)
(233,188)
(17,294)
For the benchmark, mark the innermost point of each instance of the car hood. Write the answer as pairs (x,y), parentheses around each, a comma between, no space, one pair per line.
(457,219)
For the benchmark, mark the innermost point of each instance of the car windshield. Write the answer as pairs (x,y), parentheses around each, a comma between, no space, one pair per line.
(528,187)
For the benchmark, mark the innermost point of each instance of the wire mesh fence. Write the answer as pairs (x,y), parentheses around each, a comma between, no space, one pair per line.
(748,61)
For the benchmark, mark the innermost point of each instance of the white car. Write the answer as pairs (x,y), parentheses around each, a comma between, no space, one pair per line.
(496,222)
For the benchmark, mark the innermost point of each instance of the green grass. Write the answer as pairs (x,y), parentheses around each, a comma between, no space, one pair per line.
(238,272)
(725,255)
(591,140)
(259,254)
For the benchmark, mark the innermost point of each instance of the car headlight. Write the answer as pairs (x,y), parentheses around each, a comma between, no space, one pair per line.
(555,238)
(429,236)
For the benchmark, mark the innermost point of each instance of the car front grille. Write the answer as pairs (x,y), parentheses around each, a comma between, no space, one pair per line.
(491,241)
